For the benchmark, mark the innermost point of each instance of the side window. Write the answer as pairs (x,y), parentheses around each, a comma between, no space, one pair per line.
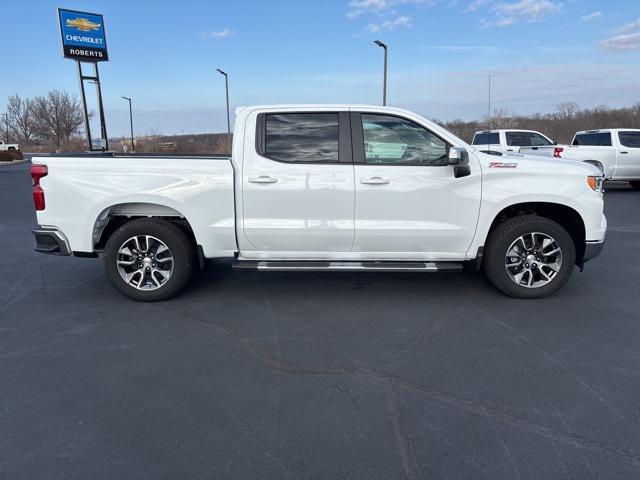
(593,139)
(630,139)
(516,139)
(486,139)
(302,137)
(537,140)
(394,140)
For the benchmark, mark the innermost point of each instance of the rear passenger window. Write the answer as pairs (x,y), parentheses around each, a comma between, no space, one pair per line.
(486,139)
(302,137)
(630,139)
(594,139)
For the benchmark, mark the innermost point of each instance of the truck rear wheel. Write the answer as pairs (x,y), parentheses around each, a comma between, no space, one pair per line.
(635,184)
(529,257)
(149,259)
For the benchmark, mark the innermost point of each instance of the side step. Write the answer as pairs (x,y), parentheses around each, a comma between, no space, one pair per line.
(319,266)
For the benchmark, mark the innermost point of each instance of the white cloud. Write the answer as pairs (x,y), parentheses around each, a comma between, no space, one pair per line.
(622,43)
(360,7)
(592,16)
(629,27)
(504,13)
(525,11)
(476,5)
(401,21)
(226,33)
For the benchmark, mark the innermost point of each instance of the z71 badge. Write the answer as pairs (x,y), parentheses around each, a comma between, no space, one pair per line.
(503,165)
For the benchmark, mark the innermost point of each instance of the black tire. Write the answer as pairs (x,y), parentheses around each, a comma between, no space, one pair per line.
(501,239)
(635,184)
(173,237)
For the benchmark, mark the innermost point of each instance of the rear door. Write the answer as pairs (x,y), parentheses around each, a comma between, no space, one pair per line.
(629,154)
(409,205)
(298,185)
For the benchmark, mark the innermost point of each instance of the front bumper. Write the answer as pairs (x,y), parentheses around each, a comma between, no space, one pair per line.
(51,242)
(592,250)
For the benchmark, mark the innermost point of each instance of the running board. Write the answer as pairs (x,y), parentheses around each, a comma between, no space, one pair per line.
(319,266)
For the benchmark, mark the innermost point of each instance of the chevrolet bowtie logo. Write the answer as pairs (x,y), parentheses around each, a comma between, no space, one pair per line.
(82,24)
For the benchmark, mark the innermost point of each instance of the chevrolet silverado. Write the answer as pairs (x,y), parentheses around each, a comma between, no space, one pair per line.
(323,187)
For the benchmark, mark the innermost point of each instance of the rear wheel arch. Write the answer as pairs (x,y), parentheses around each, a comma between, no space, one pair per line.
(565,216)
(117,215)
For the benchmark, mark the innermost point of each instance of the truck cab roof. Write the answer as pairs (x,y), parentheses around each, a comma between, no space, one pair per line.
(609,130)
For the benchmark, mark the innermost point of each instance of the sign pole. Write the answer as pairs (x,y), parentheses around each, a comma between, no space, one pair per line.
(84,106)
(103,123)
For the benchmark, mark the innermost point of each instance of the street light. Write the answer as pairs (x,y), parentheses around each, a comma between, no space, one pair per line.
(226,87)
(6,124)
(133,146)
(384,88)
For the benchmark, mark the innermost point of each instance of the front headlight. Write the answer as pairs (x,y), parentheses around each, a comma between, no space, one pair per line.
(595,182)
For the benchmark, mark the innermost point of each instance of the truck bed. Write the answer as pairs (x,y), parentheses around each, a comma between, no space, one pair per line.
(83,191)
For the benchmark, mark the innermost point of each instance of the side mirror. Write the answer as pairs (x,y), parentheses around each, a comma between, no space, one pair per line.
(459,159)
(555,142)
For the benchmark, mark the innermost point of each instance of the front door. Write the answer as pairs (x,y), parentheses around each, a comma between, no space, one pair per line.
(298,186)
(409,204)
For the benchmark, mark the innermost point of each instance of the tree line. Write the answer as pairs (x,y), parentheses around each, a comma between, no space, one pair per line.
(560,125)
(55,119)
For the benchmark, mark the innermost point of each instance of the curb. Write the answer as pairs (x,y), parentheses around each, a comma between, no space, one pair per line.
(14,162)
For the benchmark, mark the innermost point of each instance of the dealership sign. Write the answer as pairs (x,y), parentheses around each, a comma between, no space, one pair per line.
(83,36)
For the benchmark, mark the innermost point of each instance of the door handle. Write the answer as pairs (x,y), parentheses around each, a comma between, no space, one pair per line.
(263,179)
(624,153)
(374,181)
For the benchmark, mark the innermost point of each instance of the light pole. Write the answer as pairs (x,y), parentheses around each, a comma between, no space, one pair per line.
(226,88)
(6,124)
(384,87)
(133,146)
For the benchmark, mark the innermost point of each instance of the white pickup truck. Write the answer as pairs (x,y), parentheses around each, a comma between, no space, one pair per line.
(616,152)
(7,147)
(323,187)
(526,142)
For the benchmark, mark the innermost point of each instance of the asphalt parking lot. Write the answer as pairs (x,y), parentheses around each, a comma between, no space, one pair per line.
(316,375)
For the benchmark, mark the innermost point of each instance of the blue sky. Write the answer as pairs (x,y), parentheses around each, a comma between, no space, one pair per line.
(164,55)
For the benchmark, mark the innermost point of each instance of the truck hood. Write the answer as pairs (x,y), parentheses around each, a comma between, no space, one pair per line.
(544,164)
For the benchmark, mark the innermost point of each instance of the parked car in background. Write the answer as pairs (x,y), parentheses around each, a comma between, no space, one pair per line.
(323,187)
(7,147)
(614,151)
(499,142)
(9,152)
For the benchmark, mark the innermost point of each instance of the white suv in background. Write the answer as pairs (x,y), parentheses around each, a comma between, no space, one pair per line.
(499,142)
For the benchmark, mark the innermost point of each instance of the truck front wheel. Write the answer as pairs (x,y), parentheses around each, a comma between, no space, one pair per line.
(529,257)
(149,259)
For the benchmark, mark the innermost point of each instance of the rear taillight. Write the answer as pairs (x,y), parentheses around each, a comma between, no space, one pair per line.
(37,172)
(557,152)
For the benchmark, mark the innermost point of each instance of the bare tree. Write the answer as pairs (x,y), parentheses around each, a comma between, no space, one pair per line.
(22,118)
(568,110)
(502,118)
(59,116)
